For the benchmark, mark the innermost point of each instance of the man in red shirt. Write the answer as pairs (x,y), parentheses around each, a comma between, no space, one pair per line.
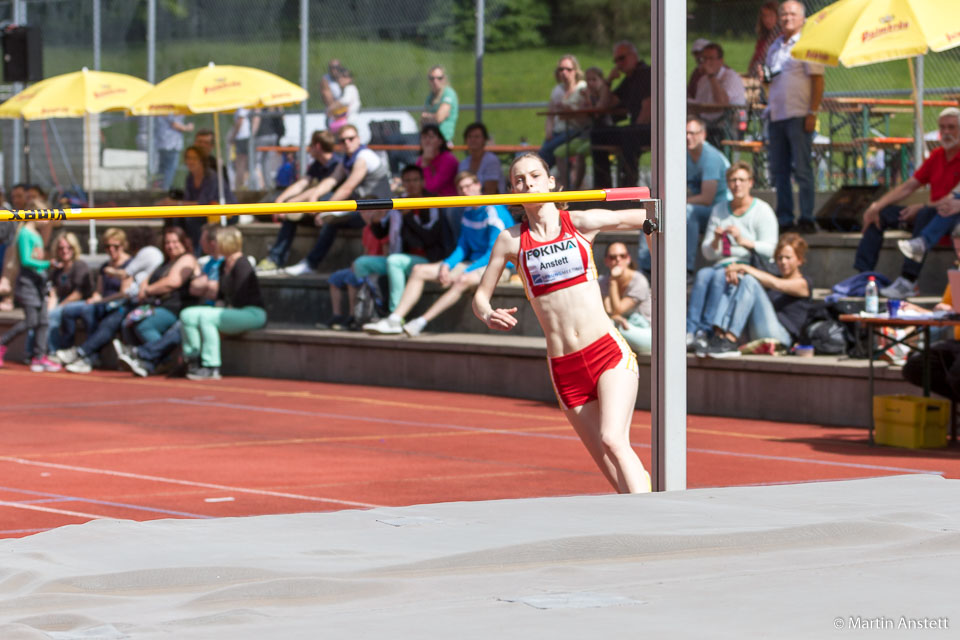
(942,172)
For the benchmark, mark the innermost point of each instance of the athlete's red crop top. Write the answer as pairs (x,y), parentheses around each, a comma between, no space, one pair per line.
(556,264)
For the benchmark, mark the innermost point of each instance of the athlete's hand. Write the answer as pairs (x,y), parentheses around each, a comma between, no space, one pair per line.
(502,319)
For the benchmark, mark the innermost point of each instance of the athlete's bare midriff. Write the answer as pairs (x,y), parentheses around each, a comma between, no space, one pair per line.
(572,318)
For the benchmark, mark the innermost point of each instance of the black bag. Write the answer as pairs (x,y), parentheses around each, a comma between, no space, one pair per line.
(767,266)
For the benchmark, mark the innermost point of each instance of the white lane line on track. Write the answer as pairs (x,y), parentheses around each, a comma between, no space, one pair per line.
(12,408)
(187,483)
(553,436)
(64,512)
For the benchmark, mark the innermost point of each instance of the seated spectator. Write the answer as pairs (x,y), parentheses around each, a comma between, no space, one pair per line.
(200,187)
(18,202)
(633,94)
(72,284)
(306,189)
(942,172)
(626,298)
(568,94)
(944,364)
(439,175)
(346,283)
(153,299)
(362,174)
(480,161)
(416,237)
(762,305)
(344,108)
(746,225)
(719,84)
(112,280)
(460,271)
(442,106)
(597,96)
(239,308)
(29,294)
(695,50)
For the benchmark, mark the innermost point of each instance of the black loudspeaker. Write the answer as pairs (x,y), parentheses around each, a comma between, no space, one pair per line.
(22,55)
(844,211)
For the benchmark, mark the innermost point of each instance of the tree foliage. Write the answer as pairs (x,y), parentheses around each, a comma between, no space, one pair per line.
(599,22)
(508,24)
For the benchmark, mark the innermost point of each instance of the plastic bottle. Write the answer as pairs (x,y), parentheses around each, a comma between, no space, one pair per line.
(871,297)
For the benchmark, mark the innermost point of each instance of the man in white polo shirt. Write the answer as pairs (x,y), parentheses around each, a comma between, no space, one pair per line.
(794,98)
(719,85)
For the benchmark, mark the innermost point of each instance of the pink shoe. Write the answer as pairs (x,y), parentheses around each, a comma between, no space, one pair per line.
(39,365)
(3,352)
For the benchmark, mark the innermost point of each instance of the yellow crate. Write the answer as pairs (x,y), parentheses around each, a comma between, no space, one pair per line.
(910,421)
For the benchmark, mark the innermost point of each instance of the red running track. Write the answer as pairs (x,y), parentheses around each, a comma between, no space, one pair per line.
(107,445)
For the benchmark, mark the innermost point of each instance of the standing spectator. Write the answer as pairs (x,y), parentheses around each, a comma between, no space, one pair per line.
(460,271)
(30,293)
(204,140)
(761,304)
(269,134)
(736,230)
(200,187)
(72,283)
(941,171)
(8,266)
(719,85)
(330,89)
(245,124)
(239,308)
(694,80)
(794,99)
(568,94)
(362,174)
(480,161)
(633,94)
(442,106)
(767,31)
(306,189)
(416,237)
(346,106)
(626,298)
(168,137)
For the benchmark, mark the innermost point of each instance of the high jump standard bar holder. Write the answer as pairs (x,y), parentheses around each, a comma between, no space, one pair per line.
(337,207)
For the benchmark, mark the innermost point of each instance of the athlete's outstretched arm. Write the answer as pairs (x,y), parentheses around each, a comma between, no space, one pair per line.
(501,319)
(592,221)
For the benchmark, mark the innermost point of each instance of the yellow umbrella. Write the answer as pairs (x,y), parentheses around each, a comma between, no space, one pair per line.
(859,32)
(76,95)
(215,89)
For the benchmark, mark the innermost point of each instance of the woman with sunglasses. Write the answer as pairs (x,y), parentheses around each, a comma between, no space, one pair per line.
(626,298)
(569,94)
(72,283)
(442,105)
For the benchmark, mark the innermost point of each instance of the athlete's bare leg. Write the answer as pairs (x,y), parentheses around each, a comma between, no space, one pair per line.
(604,428)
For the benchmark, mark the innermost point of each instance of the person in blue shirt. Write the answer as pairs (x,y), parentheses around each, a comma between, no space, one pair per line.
(460,271)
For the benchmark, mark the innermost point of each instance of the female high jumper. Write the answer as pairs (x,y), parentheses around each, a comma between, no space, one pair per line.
(594,372)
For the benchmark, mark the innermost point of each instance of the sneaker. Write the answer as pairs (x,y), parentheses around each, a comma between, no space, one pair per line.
(299,269)
(807,226)
(122,349)
(719,347)
(414,327)
(914,248)
(266,266)
(900,289)
(67,356)
(386,326)
(134,364)
(39,365)
(3,352)
(339,323)
(80,365)
(204,373)
(697,341)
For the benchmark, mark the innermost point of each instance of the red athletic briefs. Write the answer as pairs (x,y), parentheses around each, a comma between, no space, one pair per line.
(575,375)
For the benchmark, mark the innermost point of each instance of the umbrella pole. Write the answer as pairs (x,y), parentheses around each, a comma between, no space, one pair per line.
(216,137)
(918,118)
(92,242)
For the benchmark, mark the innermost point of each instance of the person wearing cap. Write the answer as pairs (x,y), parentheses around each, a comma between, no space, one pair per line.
(698,46)
(796,88)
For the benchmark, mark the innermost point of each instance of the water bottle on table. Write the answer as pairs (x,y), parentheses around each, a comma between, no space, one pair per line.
(872,297)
